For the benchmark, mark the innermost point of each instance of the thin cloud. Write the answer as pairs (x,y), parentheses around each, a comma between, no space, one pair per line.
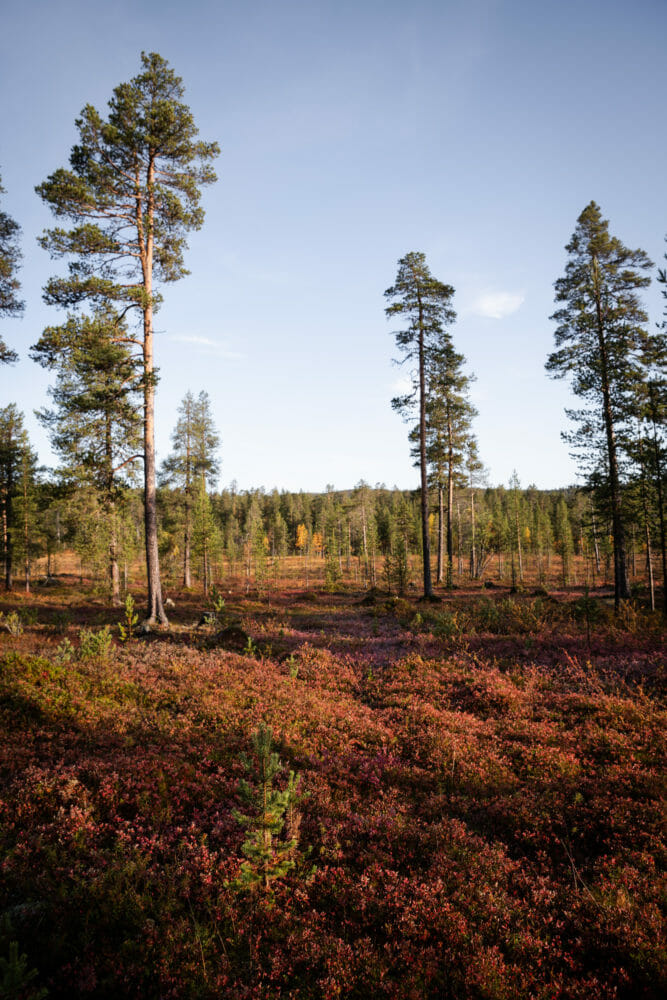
(497,305)
(208,346)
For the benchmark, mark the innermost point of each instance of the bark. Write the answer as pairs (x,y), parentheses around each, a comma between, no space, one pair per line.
(621,586)
(155,608)
(661,505)
(426,541)
(596,547)
(114,569)
(187,539)
(114,573)
(647,528)
(450,501)
(441,530)
(26,533)
(473,550)
(649,563)
(458,539)
(7,515)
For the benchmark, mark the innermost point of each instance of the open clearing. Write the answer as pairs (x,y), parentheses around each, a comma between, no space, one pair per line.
(479,810)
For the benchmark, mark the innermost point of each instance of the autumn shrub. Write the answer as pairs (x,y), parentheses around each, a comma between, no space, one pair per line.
(485,820)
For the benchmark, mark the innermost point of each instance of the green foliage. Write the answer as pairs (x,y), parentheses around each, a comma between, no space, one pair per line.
(147,125)
(600,344)
(10,258)
(65,652)
(293,666)
(269,855)
(397,567)
(13,622)
(126,631)
(95,645)
(18,482)
(60,622)
(332,571)
(250,648)
(446,625)
(16,979)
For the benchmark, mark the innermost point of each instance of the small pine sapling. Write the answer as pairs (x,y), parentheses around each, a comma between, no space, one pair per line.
(127,630)
(16,978)
(269,854)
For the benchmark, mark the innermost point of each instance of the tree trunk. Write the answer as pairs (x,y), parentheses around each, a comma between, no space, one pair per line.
(647,528)
(441,530)
(450,502)
(187,540)
(621,585)
(426,541)
(459,553)
(596,547)
(649,564)
(9,574)
(114,570)
(26,528)
(155,609)
(661,506)
(473,550)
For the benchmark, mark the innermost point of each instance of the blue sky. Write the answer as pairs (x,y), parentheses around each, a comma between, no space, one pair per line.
(353,133)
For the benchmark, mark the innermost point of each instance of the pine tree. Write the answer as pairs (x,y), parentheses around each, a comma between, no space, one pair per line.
(272,821)
(476,474)
(95,426)
(195,443)
(449,414)
(10,259)
(205,535)
(564,539)
(132,194)
(17,471)
(599,334)
(27,540)
(425,304)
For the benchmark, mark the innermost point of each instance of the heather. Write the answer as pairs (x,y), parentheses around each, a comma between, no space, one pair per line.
(475,812)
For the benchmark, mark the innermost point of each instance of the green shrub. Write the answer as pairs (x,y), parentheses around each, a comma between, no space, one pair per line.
(12,622)
(95,645)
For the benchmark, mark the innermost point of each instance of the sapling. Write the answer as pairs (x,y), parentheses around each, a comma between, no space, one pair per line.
(17,978)
(126,630)
(269,855)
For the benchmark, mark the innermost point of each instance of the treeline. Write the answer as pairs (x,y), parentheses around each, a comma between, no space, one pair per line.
(369,536)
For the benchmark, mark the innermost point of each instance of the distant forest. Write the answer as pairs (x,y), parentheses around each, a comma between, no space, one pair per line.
(368,535)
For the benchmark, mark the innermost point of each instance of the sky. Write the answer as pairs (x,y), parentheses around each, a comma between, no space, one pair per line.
(352,133)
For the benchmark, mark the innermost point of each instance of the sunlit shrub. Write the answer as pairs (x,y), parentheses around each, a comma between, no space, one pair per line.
(95,645)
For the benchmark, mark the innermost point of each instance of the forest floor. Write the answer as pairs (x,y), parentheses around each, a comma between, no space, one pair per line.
(478,814)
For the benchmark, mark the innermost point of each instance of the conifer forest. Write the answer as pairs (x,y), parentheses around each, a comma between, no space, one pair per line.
(365,742)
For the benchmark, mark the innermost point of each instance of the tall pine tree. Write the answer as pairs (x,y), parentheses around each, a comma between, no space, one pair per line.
(424,304)
(598,338)
(132,193)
